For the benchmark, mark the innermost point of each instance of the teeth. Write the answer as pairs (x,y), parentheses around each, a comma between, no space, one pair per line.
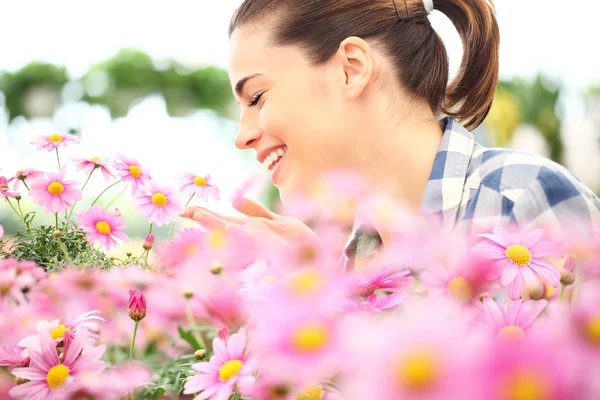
(273,157)
(280,151)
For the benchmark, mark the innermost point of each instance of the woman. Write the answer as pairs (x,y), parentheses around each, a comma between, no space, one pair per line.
(363,85)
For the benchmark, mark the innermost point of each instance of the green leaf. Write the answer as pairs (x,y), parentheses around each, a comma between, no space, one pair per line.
(187,336)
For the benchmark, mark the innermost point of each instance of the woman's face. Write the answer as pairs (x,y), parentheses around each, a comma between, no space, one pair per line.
(295,116)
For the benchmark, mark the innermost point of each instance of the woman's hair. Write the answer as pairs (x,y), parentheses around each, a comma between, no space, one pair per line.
(416,50)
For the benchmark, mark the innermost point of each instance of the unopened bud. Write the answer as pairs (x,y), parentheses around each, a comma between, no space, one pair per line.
(200,354)
(216,268)
(57,233)
(51,261)
(18,197)
(20,381)
(188,294)
(128,254)
(148,242)
(117,212)
(536,293)
(137,305)
(567,273)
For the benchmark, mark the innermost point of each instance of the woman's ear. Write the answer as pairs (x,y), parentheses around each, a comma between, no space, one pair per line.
(356,65)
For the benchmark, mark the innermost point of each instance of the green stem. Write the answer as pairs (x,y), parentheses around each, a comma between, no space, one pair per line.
(104,191)
(133,341)
(25,183)
(73,207)
(562,290)
(57,158)
(23,215)
(117,196)
(193,325)
(173,224)
(15,210)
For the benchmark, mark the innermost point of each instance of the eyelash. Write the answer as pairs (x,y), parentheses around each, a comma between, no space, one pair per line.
(255,99)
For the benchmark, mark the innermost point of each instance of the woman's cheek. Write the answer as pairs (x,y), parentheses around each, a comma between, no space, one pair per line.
(272,122)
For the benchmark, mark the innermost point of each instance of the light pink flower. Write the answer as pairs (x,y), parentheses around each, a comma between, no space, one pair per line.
(188,244)
(13,357)
(4,192)
(158,204)
(230,367)
(54,192)
(374,303)
(102,226)
(511,323)
(383,279)
(48,376)
(87,166)
(131,170)
(199,185)
(54,141)
(123,379)
(519,259)
(26,176)
(12,284)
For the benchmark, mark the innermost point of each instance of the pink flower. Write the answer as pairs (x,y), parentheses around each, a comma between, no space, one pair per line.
(383,279)
(88,166)
(230,367)
(519,259)
(188,244)
(13,357)
(102,226)
(54,141)
(48,376)
(511,323)
(158,204)
(148,242)
(55,193)
(12,284)
(4,192)
(201,186)
(374,303)
(26,176)
(137,305)
(131,170)
(123,380)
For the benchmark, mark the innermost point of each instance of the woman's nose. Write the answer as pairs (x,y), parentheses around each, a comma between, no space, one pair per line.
(247,137)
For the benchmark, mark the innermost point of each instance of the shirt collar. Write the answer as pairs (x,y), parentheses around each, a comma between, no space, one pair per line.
(445,187)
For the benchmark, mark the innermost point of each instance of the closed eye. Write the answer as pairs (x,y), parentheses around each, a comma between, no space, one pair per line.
(255,99)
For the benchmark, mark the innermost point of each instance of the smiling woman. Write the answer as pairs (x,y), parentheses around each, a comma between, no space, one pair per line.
(363,86)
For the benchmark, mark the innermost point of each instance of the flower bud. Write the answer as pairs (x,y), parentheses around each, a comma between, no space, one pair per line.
(137,305)
(57,233)
(216,268)
(117,212)
(567,273)
(18,197)
(20,381)
(128,254)
(148,242)
(536,293)
(200,354)
(188,294)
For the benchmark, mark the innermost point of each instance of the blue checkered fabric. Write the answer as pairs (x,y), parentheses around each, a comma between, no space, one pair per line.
(473,188)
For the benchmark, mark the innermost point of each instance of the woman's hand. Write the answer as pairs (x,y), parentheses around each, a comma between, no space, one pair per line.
(257,219)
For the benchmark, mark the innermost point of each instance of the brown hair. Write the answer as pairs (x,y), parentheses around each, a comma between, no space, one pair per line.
(319,26)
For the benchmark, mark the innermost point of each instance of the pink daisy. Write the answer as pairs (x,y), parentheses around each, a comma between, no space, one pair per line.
(511,323)
(48,377)
(55,193)
(88,166)
(54,141)
(158,204)
(374,303)
(13,357)
(12,284)
(4,192)
(188,244)
(102,226)
(230,367)
(519,259)
(384,279)
(196,184)
(131,170)
(26,176)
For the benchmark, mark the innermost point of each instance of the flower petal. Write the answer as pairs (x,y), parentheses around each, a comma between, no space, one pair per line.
(508,274)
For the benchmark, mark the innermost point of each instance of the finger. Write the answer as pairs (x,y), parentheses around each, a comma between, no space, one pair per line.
(189,212)
(209,221)
(252,209)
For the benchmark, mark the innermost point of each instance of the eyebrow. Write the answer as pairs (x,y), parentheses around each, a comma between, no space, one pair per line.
(239,87)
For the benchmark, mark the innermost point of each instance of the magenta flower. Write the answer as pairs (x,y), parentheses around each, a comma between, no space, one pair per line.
(511,323)
(519,259)
(158,204)
(26,176)
(201,186)
(131,170)
(54,141)
(4,192)
(55,193)
(230,367)
(137,305)
(48,376)
(87,166)
(102,226)
(374,303)
(148,242)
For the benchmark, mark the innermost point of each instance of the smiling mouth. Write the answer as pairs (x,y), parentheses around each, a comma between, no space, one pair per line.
(274,157)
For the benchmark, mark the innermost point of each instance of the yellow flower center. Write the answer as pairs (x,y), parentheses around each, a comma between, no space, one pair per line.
(4,288)
(159,199)
(526,386)
(460,290)
(97,160)
(305,282)
(135,171)
(59,332)
(103,227)
(511,333)
(191,249)
(230,369)
(419,371)
(310,338)
(57,376)
(56,188)
(217,239)
(518,254)
(269,279)
(200,181)
(312,393)
(593,330)
(55,138)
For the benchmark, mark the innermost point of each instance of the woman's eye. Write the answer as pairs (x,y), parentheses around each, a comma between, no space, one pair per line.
(255,100)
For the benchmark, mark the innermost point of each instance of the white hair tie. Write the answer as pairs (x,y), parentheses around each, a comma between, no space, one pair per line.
(428,6)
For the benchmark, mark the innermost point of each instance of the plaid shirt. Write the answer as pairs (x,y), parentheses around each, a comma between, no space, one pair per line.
(473,188)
